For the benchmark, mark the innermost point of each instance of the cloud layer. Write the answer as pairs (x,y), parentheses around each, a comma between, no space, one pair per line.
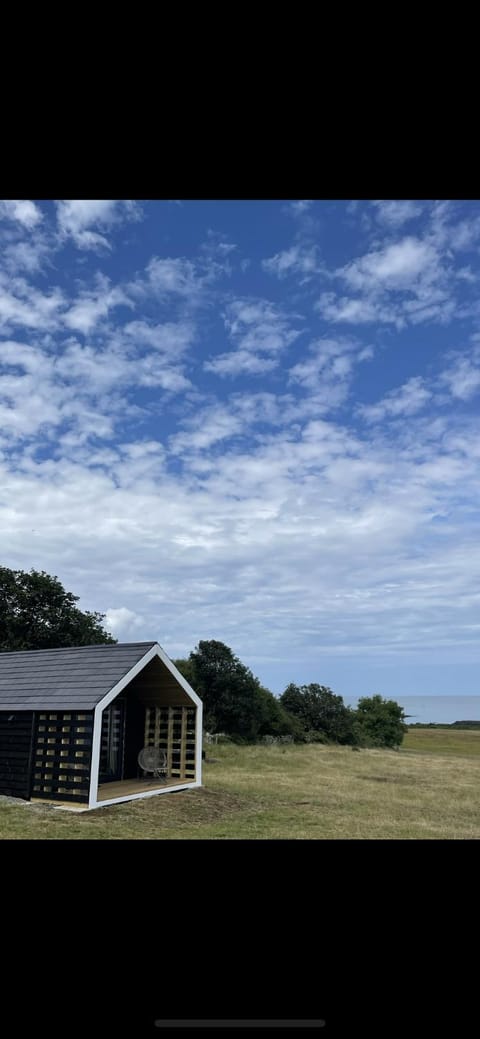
(261,432)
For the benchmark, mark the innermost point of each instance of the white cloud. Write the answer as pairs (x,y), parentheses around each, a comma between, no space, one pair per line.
(189,515)
(171,338)
(263,409)
(300,206)
(207,429)
(463,378)
(356,311)
(244,317)
(396,212)
(217,244)
(314,516)
(92,306)
(123,623)
(186,284)
(430,306)
(153,371)
(29,400)
(84,389)
(449,233)
(299,259)
(252,415)
(397,266)
(28,255)
(240,362)
(328,368)
(464,236)
(466,274)
(22,211)
(142,449)
(366,353)
(99,370)
(257,328)
(404,401)
(76,217)
(408,281)
(22,305)
(179,277)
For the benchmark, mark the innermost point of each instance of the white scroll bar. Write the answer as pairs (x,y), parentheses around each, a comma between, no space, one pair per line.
(238,1023)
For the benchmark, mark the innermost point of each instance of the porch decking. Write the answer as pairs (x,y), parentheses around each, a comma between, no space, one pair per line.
(108,791)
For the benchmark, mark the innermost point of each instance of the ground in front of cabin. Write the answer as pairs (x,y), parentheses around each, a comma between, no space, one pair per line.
(428,789)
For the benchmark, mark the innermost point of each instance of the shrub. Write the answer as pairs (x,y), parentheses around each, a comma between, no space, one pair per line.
(381,723)
(319,710)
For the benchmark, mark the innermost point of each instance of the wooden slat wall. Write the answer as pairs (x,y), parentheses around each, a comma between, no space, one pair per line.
(183,744)
(62,755)
(172,729)
(15,750)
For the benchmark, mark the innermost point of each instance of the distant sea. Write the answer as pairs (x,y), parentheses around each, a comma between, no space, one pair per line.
(437,708)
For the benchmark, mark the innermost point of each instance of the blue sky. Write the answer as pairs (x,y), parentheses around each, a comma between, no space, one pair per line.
(254,421)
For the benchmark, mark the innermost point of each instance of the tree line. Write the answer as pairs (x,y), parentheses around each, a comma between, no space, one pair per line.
(36,612)
(237,704)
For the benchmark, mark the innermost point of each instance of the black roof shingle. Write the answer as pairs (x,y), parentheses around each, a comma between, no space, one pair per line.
(65,679)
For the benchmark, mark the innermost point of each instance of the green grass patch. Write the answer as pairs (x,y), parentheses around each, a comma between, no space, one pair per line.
(462,742)
(426,790)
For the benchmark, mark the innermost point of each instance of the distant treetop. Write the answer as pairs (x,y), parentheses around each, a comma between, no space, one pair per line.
(37,613)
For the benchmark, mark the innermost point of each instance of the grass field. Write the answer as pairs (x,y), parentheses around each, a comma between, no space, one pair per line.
(464,742)
(429,789)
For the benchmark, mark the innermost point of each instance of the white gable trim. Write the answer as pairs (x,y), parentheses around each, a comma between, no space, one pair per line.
(176,674)
(155,651)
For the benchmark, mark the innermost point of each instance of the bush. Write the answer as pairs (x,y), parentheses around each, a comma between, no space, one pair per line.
(381,723)
(314,736)
(319,710)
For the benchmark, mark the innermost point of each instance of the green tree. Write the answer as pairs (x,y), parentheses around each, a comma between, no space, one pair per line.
(276,721)
(381,722)
(234,701)
(187,669)
(37,613)
(319,710)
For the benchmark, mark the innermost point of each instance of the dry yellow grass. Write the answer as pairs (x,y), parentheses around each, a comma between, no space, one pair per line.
(300,792)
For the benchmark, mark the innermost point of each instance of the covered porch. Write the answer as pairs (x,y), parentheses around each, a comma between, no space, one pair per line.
(151,711)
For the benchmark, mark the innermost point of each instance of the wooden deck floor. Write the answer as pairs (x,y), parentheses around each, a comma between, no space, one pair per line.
(108,791)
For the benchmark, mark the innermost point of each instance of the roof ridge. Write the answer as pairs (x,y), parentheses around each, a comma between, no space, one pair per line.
(67,649)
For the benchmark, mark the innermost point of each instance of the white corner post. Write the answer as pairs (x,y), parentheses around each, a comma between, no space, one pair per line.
(199,742)
(95,766)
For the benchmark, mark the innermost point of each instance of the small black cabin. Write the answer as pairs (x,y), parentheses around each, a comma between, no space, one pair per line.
(73,724)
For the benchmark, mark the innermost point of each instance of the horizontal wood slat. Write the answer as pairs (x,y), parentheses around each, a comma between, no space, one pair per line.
(59,784)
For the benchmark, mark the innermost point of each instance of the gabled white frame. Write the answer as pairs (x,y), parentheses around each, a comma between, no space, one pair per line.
(155,651)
